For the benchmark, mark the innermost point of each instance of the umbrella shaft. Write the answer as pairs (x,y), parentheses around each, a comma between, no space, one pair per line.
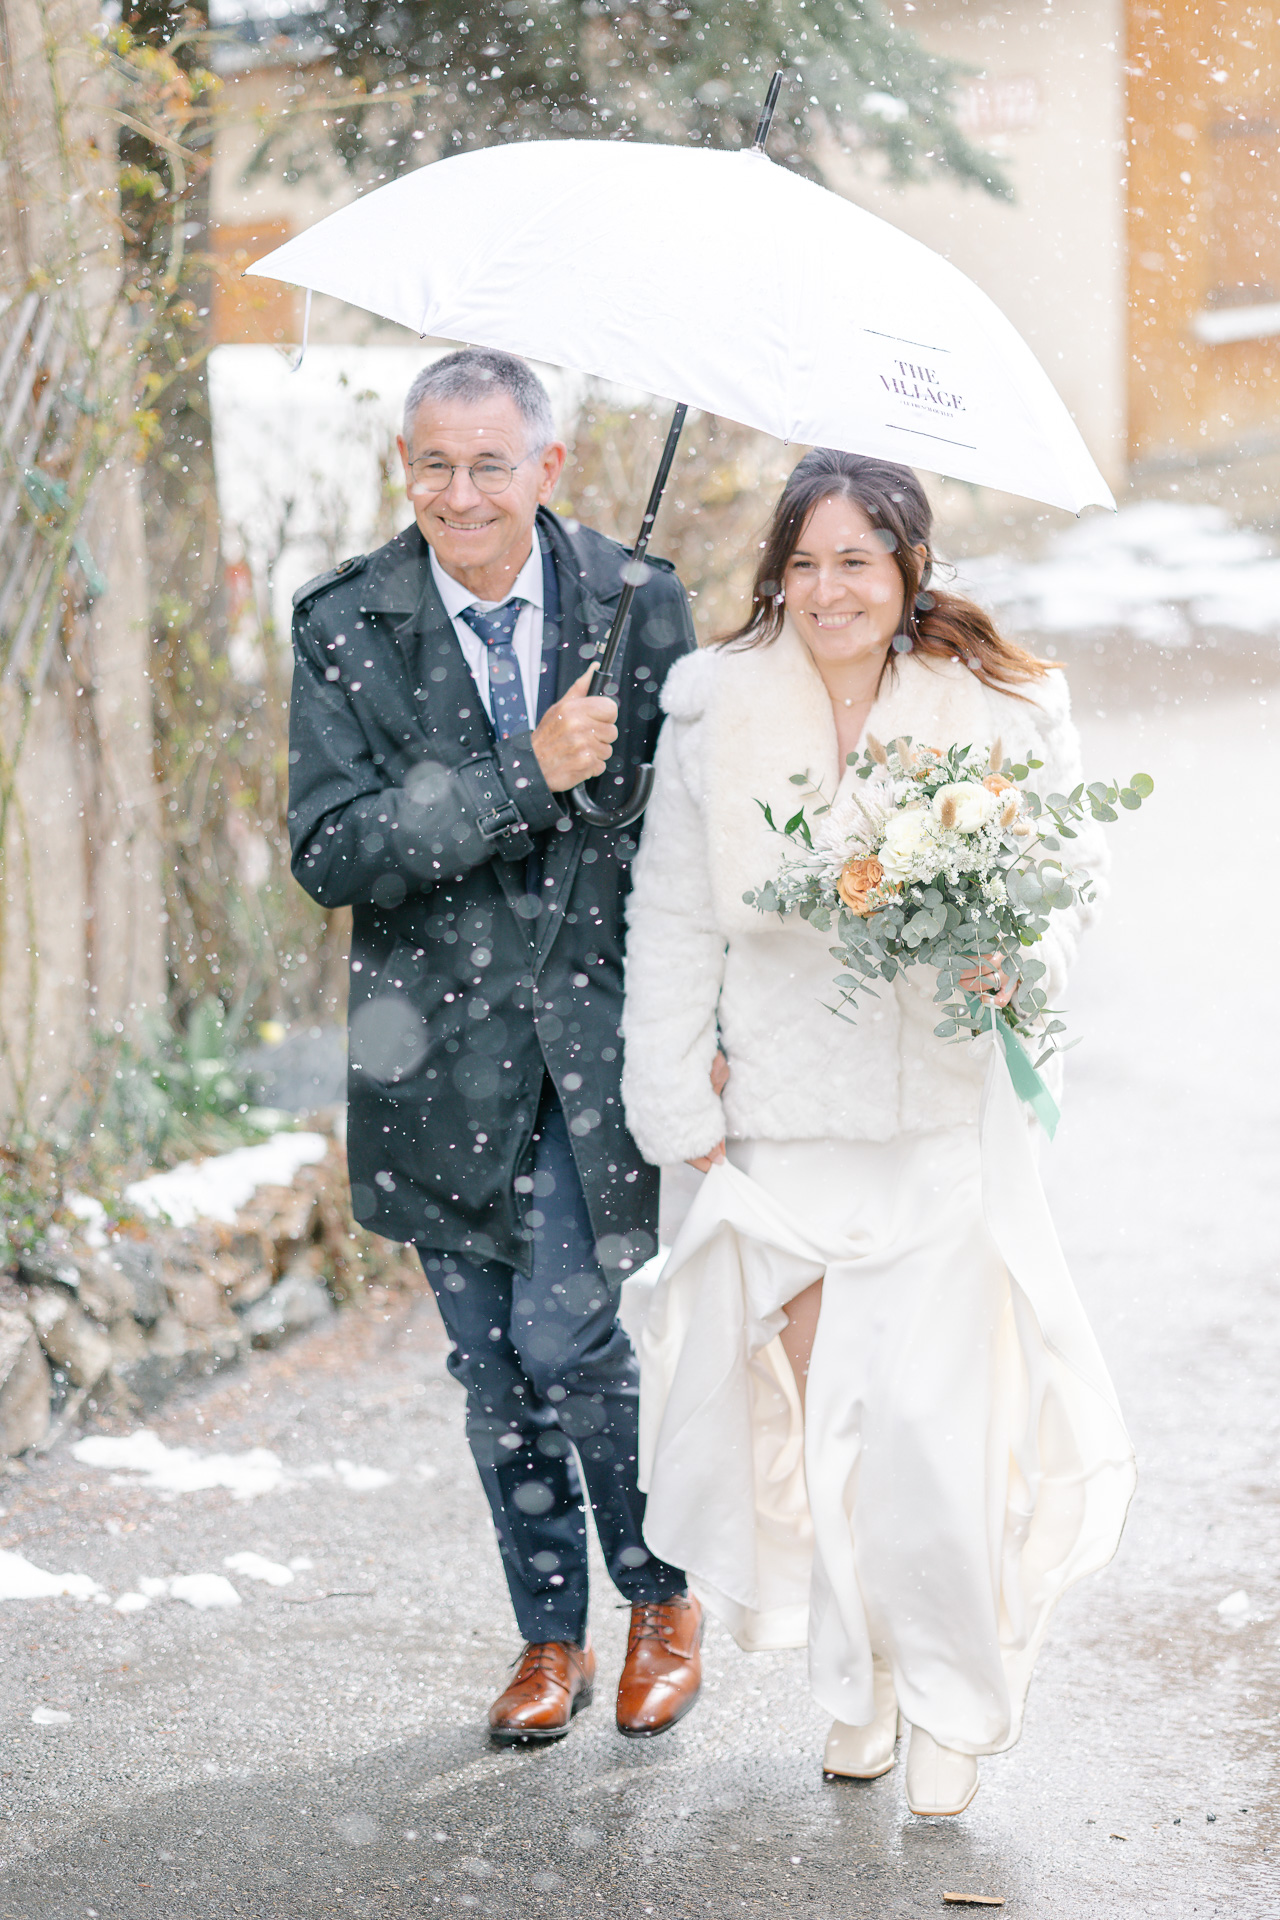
(606,682)
(766,115)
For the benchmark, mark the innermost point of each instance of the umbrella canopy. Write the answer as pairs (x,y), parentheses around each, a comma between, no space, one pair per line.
(715,278)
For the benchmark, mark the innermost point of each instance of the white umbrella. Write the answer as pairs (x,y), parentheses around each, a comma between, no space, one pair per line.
(720,281)
(717,279)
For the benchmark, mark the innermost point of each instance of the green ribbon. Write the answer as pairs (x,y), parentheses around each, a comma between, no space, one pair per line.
(1027,1083)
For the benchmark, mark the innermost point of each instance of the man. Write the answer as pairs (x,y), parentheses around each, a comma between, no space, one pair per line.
(441,714)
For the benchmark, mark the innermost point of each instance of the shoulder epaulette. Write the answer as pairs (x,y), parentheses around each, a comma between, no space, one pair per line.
(324,580)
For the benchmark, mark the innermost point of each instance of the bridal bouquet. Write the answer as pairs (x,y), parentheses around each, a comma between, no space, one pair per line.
(944,859)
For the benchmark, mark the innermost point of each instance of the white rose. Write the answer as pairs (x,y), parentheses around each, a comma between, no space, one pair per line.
(971,805)
(908,837)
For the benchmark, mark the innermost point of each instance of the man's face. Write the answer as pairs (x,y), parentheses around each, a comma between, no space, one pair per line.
(480,538)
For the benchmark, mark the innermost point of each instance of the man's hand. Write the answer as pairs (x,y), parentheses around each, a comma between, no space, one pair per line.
(573,740)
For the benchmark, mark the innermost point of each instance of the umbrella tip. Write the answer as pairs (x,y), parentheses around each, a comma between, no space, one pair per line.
(767,111)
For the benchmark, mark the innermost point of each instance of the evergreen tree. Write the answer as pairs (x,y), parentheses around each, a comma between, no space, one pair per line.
(444,75)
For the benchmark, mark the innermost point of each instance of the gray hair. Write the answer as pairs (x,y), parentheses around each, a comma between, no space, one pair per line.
(473,373)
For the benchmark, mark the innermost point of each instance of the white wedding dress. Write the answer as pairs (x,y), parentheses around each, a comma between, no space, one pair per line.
(963,1459)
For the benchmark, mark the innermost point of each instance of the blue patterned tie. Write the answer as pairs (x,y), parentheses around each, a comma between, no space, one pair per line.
(506,691)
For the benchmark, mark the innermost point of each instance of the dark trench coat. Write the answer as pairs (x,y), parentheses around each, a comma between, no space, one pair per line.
(475,969)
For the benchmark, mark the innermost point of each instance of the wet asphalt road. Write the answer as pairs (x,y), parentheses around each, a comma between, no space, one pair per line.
(300,1756)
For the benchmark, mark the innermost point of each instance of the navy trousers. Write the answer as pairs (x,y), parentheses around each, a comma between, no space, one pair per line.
(550,1375)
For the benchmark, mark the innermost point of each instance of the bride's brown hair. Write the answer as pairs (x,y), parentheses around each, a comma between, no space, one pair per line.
(937,624)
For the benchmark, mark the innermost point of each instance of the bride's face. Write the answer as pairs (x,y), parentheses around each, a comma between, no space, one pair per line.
(843,591)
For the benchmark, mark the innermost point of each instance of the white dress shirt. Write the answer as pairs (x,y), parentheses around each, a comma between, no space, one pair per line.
(527,639)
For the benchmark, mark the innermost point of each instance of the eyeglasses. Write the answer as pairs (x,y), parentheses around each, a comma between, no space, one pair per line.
(487,476)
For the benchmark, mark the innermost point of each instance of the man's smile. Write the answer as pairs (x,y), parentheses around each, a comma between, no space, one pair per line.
(466,526)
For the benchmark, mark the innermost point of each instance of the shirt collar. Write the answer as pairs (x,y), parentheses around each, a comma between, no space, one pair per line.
(527,584)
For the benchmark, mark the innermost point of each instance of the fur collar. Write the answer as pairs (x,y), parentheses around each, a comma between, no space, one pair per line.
(768,716)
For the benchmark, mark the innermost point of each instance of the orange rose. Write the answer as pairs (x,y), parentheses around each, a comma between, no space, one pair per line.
(859,879)
(996,783)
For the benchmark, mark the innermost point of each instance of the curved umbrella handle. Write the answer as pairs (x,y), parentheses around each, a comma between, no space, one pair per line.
(631,809)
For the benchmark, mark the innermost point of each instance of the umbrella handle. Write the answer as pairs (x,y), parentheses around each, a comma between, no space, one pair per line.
(608,680)
(630,810)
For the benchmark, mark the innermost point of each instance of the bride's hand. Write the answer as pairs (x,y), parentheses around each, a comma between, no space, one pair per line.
(719,1081)
(994,981)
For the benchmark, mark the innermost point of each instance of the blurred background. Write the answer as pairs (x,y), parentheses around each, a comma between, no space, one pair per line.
(172,1182)
(1107,170)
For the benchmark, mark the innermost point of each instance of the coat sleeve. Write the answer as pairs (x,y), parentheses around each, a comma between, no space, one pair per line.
(675,967)
(1062,771)
(356,839)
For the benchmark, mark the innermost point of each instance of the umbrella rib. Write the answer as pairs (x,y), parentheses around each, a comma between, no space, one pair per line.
(966,445)
(923,345)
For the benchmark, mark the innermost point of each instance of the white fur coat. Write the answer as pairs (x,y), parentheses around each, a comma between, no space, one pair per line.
(702,966)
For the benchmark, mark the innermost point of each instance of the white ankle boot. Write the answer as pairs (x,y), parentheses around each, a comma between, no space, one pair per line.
(939,1780)
(864,1753)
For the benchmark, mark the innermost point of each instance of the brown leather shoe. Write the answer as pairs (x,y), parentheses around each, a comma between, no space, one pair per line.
(662,1676)
(553,1682)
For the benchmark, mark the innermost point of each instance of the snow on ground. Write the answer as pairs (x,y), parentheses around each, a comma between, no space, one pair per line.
(170,1471)
(254,1567)
(177,1470)
(217,1188)
(1157,570)
(19,1580)
(300,456)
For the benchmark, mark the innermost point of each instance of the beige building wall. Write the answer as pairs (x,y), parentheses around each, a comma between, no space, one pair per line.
(1048,98)
(256,208)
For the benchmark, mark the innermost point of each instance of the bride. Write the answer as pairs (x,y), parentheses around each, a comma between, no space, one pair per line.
(874,1420)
